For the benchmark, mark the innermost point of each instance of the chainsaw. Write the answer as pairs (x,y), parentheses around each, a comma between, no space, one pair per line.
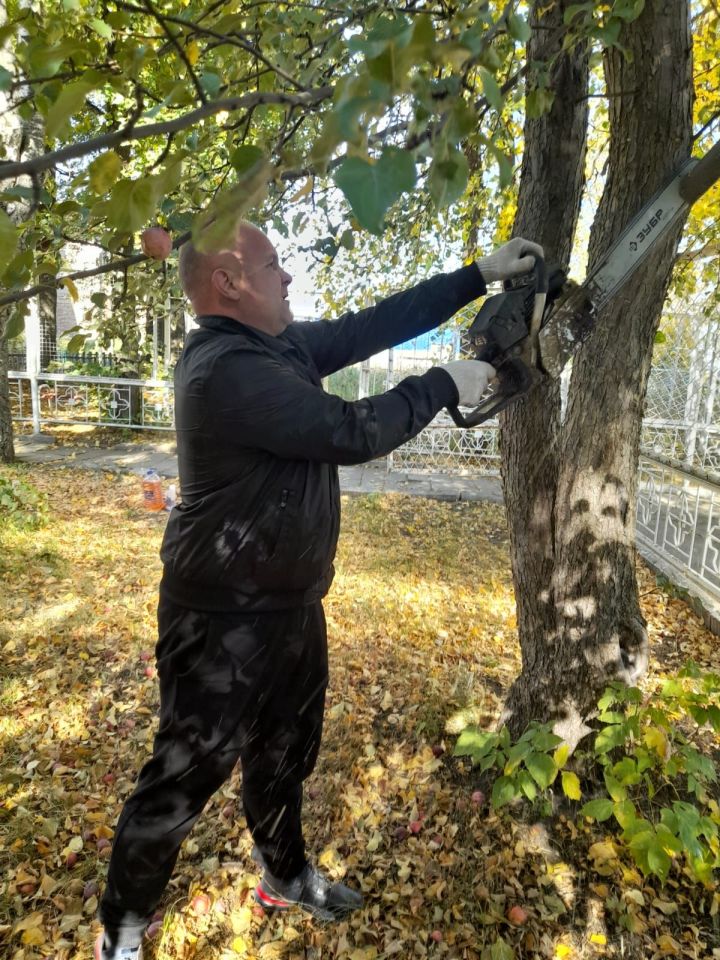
(530,331)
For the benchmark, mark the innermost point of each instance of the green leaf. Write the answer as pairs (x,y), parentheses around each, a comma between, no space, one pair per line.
(527,785)
(542,768)
(518,28)
(386,32)
(245,157)
(347,239)
(616,790)
(448,177)
(70,100)
(626,772)
(215,227)
(492,91)
(538,102)
(6,78)
(371,188)
(210,82)
(101,28)
(660,337)
(628,9)
(8,240)
(501,950)
(104,171)
(609,738)
(132,203)
(577,8)
(75,344)
(610,33)
(658,860)
(475,742)
(600,809)
(503,792)
(16,322)
(625,813)
(571,785)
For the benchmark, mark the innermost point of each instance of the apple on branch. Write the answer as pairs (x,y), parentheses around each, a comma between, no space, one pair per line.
(156,243)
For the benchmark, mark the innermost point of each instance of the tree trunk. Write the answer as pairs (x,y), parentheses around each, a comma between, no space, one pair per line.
(551,183)
(599,633)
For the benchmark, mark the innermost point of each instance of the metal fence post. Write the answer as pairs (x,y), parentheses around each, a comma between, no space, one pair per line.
(32,362)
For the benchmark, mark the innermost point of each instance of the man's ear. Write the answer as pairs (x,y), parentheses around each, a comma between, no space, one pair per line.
(223,283)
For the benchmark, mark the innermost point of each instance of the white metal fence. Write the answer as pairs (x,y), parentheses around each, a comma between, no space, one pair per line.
(678,523)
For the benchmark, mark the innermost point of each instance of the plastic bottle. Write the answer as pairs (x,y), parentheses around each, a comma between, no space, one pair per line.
(170,497)
(152,491)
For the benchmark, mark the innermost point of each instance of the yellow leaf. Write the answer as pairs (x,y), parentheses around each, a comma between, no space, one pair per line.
(562,950)
(239,945)
(241,919)
(303,191)
(656,740)
(374,842)
(192,52)
(667,907)
(48,885)
(561,754)
(33,937)
(71,288)
(598,938)
(104,171)
(571,785)
(603,850)
(34,919)
(668,945)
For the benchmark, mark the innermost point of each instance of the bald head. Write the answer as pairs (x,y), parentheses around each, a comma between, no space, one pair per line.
(244,281)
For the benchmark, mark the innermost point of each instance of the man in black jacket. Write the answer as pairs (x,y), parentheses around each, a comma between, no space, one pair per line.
(242,652)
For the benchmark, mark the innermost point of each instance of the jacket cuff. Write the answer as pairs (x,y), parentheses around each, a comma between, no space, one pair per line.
(469,283)
(443,386)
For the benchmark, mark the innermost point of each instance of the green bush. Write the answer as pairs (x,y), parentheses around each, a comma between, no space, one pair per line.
(654,778)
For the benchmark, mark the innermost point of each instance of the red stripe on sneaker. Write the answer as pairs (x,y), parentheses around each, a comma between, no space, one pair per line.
(269,901)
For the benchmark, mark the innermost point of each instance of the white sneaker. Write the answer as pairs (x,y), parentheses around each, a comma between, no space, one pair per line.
(104,951)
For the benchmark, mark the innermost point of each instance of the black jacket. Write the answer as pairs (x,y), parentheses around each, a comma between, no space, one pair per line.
(259,441)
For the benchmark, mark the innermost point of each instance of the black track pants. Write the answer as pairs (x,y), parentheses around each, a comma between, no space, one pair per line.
(232,686)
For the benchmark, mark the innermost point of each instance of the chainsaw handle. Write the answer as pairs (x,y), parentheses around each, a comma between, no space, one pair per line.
(514,378)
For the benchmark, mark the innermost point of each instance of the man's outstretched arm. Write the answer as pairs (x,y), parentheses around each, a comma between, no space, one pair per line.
(402,316)
(271,408)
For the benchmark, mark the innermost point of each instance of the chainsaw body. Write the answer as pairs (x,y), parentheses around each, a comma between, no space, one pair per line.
(505,334)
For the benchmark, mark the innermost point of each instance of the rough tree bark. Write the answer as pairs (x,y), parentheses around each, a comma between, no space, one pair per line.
(581,625)
(551,185)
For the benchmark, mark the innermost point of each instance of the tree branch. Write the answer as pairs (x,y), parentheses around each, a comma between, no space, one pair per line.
(179,49)
(9,171)
(232,41)
(112,267)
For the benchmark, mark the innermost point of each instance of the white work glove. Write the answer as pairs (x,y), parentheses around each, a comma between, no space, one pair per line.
(513,258)
(471,377)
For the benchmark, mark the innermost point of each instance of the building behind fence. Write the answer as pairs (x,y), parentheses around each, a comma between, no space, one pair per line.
(678,524)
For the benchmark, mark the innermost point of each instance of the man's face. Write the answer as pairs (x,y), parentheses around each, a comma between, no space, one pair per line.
(258,282)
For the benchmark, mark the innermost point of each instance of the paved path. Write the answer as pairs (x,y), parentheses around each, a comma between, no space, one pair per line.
(161,456)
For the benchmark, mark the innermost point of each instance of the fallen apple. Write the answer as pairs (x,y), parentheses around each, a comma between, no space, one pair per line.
(437,936)
(90,889)
(156,243)
(517,916)
(200,904)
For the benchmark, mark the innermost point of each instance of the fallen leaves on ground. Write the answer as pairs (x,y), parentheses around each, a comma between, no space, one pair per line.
(422,631)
